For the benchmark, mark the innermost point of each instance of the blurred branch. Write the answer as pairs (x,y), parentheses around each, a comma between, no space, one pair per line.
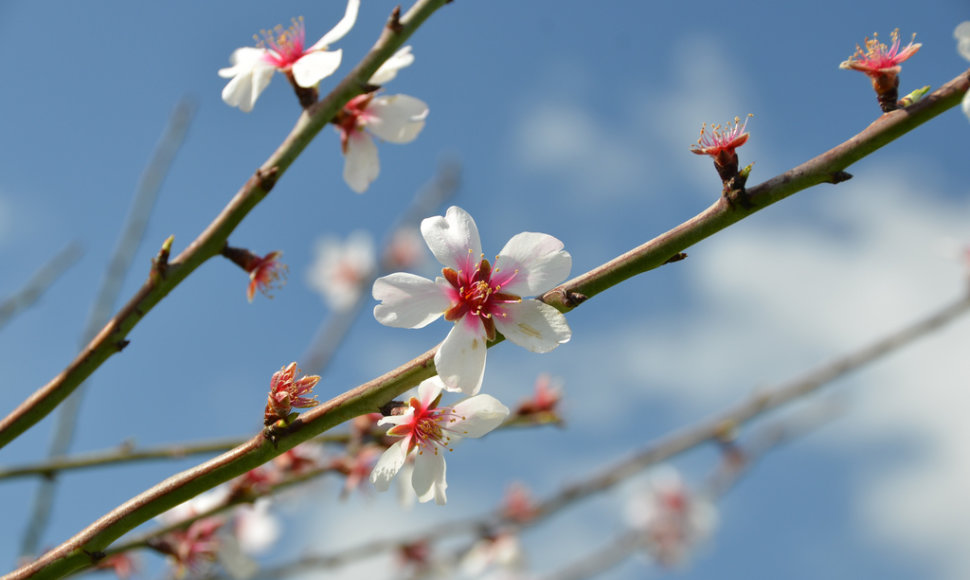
(332,331)
(86,547)
(737,462)
(128,453)
(132,235)
(716,428)
(39,283)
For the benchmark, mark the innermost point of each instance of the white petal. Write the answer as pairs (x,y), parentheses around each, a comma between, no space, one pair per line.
(388,465)
(429,389)
(342,27)
(408,300)
(361,165)
(482,413)
(396,118)
(250,75)
(453,239)
(962,34)
(533,262)
(313,67)
(966,105)
(460,359)
(428,478)
(534,325)
(388,70)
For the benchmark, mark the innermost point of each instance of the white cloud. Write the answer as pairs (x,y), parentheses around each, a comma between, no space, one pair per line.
(565,140)
(772,297)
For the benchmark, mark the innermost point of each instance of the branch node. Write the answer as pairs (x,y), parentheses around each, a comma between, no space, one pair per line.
(160,261)
(121,344)
(394,22)
(96,556)
(267,178)
(839,177)
(676,257)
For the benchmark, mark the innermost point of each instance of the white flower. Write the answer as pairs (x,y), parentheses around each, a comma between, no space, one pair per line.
(256,527)
(502,551)
(672,519)
(341,268)
(962,34)
(283,50)
(478,298)
(394,118)
(388,70)
(426,430)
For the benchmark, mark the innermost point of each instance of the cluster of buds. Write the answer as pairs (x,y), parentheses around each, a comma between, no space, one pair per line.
(286,392)
(543,407)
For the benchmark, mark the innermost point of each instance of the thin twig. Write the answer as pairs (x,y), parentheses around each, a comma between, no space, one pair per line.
(132,235)
(39,283)
(85,548)
(210,242)
(712,429)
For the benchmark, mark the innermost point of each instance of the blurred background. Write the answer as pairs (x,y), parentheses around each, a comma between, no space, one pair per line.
(569,118)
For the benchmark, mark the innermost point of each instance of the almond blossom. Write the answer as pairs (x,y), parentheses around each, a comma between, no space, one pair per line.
(721,143)
(394,118)
(264,274)
(426,430)
(480,299)
(284,50)
(962,34)
(341,269)
(881,64)
(673,519)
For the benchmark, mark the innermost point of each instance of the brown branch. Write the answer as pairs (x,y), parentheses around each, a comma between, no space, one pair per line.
(82,549)
(213,238)
(663,449)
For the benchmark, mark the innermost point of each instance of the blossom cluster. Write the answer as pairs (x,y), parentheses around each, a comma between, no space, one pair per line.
(393,118)
(481,300)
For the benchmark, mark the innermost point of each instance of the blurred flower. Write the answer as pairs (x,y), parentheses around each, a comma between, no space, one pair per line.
(720,143)
(518,505)
(192,548)
(673,519)
(881,64)
(502,550)
(301,459)
(388,70)
(122,563)
(264,274)
(405,251)
(962,34)
(286,392)
(283,50)
(356,467)
(394,118)
(426,430)
(255,527)
(542,407)
(480,300)
(341,268)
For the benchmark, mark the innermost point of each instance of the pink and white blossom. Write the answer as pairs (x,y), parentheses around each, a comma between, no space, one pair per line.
(342,268)
(426,431)
(672,518)
(962,34)
(394,118)
(480,299)
(265,274)
(284,50)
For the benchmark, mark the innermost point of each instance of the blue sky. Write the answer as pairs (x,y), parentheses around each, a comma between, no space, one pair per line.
(570,118)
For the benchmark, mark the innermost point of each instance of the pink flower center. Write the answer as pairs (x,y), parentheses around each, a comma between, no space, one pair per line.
(352,118)
(428,426)
(478,293)
(285,45)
